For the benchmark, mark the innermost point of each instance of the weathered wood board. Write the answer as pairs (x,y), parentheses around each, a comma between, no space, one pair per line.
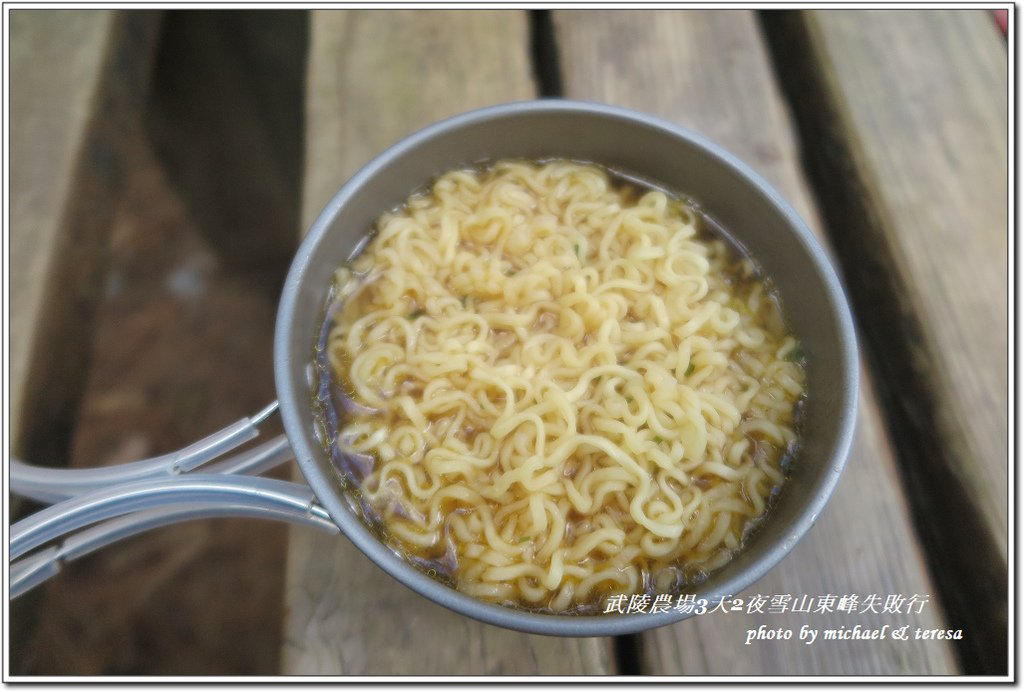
(909,110)
(76,82)
(925,97)
(710,71)
(375,76)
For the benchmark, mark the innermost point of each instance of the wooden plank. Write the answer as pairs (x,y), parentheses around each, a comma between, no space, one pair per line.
(709,71)
(374,77)
(938,162)
(909,109)
(76,84)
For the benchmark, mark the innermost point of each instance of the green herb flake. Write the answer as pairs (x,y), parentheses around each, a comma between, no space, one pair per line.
(524,539)
(463,300)
(414,314)
(689,369)
(796,355)
(579,251)
(629,400)
(511,271)
(658,440)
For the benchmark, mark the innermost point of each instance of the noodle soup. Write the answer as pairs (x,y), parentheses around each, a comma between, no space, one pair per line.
(544,384)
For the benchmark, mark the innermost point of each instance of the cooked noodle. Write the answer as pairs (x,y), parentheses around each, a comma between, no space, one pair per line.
(564,389)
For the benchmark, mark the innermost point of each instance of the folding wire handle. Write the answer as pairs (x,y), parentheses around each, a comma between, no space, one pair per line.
(124,500)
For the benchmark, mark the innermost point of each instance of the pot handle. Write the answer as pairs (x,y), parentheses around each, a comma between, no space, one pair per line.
(49,485)
(129,499)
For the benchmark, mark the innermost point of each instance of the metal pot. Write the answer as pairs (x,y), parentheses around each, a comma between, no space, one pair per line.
(653,150)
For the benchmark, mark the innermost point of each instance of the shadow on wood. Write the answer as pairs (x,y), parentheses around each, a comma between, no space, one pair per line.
(226,117)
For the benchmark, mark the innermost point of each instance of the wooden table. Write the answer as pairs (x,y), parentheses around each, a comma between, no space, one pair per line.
(887,131)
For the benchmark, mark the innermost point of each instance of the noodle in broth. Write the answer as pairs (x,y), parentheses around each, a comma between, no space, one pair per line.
(558,386)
